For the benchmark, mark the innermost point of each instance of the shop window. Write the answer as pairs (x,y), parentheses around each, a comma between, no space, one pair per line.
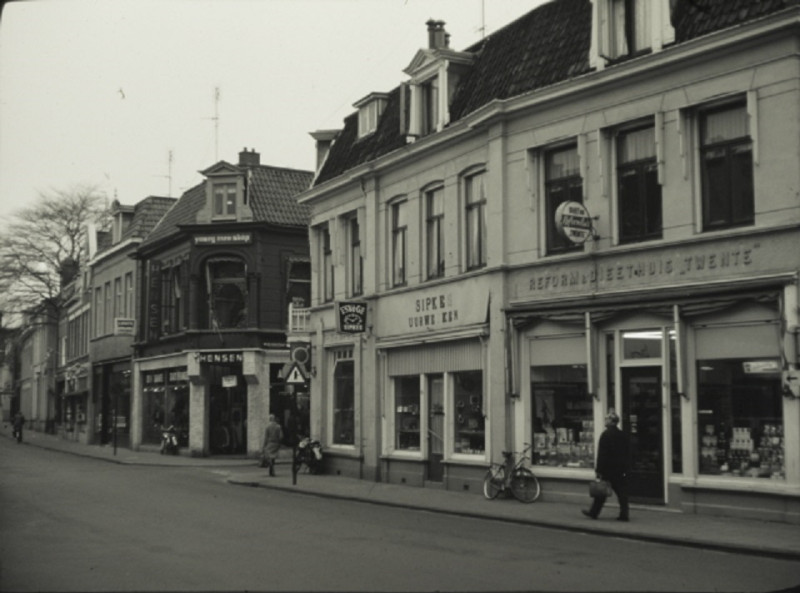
(563,183)
(344,403)
(563,425)
(399,247)
(475,198)
(470,428)
(226,293)
(434,238)
(638,190)
(165,403)
(675,407)
(726,163)
(407,415)
(740,418)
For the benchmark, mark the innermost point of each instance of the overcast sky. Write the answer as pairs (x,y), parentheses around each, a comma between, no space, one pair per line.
(99,92)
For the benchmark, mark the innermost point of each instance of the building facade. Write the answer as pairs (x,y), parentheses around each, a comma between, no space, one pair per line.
(594,208)
(218,274)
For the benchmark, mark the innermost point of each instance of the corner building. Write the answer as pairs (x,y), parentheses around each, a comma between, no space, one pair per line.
(219,274)
(494,321)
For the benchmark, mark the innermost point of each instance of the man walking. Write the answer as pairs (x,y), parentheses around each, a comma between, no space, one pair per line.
(613,458)
(273,435)
(19,423)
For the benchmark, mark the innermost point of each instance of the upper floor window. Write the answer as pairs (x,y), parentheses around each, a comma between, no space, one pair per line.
(430,105)
(434,235)
(299,289)
(638,190)
(172,301)
(562,183)
(399,247)
(475,198)
(369,112)
(226,292)
(108,324)
(129,310)
(99,314)
(327,264)
(356,259)
(630,25)
(726,165)
(224,199)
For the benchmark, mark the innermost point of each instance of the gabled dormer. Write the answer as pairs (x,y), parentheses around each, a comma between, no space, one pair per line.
(121,217)
(628,28)
(370,109)
(434,75)
(227,190)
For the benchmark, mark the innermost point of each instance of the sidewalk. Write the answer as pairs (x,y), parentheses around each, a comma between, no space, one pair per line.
(775,540)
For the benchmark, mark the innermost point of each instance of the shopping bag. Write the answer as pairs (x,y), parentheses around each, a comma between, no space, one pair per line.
(599,489)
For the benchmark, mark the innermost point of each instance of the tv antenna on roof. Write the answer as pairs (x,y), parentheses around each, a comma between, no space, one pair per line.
(216,123)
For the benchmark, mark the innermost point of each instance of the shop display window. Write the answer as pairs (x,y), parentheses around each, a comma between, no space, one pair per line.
(344,404)
(470,431)
(740,418)
(563,425)
(407,416)
(166,403)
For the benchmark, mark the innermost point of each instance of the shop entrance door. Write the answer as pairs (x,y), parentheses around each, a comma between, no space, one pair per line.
(642,420)
(435,428)
(227,410)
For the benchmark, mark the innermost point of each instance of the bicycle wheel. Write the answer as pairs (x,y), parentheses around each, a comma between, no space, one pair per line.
(525,485)
(493,481)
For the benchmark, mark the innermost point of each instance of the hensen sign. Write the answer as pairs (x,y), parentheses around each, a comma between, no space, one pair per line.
(351,317)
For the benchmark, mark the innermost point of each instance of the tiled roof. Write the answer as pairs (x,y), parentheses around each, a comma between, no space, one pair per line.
(146,215)
(548,45)
(271,196)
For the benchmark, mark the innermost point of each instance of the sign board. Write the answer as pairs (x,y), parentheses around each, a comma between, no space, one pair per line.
(124,326)
(757,367)
(229,381)
(224,239)
(220,357)
(573,221)
(351,317)
(295,375)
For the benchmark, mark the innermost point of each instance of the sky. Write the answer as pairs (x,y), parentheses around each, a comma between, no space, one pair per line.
(135,97)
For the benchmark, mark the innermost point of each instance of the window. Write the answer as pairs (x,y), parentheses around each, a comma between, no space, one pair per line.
(434,242)
(118,303)
(475,196)
(343,403)
(430,106)
(740,418)
(108,324)
(369,111)
(399,228)
(172,301)
(299,293)
(563,426)
(469,429)
(99,314)
(630,26)
(226,293)
(562,183)
(225,199)
(356,259)
(638,190)
(129,310)
(726,162)
(407,414)
(327,265)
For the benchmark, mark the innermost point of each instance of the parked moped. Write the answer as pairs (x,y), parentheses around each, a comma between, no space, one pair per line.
(169,441)
(309,453)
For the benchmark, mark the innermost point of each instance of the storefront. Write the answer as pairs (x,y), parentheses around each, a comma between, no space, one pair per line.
(111,393)
(165,398)
(75,405)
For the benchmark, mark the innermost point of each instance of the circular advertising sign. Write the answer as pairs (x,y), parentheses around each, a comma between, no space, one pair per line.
(574,221)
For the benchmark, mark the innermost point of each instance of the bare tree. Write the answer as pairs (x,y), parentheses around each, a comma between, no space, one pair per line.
(40,240)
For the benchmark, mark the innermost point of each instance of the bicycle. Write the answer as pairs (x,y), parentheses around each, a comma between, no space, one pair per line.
(512,476)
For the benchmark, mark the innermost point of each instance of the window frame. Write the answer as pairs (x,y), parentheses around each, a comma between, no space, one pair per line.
(555,244)
(355,256)
(399,232)
(641,168)
(326,252)
(475,256)
(434,232)
(226,207)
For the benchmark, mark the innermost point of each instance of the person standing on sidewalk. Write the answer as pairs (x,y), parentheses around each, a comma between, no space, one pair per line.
(19,423)
(613,459)
(273,435)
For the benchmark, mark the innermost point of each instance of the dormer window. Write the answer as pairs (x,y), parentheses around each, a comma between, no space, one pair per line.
(370,109)
(630,26)
(224,200)
(429,105)
(626,28)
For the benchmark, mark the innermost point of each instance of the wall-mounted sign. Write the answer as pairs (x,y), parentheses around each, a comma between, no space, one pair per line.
(295,376)
(224,239)
(758,367)
(351,317)
(573,221)
(229,381)
(124,326)
(221,357)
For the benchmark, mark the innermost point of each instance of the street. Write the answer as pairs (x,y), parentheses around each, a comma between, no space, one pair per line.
(69,523)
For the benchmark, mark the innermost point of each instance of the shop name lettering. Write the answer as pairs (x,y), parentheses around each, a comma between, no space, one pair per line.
(222,239)
(610,274)
(433,310)
(222,357)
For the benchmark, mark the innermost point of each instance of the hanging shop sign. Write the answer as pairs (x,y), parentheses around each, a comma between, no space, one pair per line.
(224,239)
(351,317)
(574,222)
(221,357)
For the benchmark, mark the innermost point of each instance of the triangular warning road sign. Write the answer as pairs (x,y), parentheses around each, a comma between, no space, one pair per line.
(295,375)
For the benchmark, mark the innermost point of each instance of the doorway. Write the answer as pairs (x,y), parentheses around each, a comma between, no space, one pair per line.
(643,422)
(227,409)
(435,427)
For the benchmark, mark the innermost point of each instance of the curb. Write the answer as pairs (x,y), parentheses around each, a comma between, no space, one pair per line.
(773,553)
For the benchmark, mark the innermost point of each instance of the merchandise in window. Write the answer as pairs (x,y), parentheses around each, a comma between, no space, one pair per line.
(726,160)
(740,418)
(407,416)
(563,425)
(344,403)
(166,403)
(470,431)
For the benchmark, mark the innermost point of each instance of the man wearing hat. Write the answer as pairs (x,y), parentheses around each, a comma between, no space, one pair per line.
(613,457)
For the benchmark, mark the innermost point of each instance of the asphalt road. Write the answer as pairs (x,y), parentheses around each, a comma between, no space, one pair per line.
(70,523)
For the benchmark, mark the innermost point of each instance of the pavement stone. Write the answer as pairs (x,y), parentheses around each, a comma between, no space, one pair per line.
(652,524)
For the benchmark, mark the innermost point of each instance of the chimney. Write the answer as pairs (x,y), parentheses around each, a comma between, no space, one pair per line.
(438,38)
(324,140)
(249,158)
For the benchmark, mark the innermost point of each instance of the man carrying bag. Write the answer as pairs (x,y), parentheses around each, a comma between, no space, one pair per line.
(613,458)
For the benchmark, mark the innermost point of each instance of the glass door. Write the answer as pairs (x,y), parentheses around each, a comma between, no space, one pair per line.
(643,422)
(435,427)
